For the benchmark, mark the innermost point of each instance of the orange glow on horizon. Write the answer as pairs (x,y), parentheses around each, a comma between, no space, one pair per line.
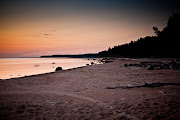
(34,28)
(71,37)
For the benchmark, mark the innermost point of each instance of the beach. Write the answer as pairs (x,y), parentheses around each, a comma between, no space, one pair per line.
(82,94)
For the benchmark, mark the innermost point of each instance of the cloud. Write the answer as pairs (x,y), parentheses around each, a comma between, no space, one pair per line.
(46,34)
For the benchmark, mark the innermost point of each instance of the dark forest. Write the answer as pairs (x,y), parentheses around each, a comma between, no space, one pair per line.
(165,43)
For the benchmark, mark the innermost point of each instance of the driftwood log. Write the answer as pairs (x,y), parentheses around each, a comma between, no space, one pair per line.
(152,85)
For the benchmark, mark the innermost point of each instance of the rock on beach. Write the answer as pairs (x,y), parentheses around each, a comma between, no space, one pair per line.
(58,69)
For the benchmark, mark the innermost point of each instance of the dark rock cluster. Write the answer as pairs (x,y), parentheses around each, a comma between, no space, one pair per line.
(157,66)
(106,60)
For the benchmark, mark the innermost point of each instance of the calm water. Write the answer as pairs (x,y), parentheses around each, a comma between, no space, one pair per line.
(18,67)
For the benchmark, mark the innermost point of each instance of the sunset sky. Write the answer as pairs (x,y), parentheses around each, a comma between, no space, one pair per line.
(31,28)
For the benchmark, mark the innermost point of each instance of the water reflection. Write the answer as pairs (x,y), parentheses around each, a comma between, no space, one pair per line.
(18,67)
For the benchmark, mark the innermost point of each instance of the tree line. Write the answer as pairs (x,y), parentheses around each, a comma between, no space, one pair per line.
(165,43)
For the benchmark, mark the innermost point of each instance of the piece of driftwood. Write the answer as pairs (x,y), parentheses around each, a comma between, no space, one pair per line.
(152,85)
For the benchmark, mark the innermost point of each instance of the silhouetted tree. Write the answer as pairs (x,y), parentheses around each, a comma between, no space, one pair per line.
(156,31)
(164,44)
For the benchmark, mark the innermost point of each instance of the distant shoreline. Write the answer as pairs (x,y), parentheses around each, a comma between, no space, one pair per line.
(73,56)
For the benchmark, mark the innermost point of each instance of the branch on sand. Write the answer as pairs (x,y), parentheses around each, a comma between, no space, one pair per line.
(152,85)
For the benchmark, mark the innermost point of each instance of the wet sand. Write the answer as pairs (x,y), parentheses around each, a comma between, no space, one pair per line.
(81,94)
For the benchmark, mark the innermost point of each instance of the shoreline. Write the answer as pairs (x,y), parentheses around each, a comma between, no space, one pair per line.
(42,73)
(83,94)
(44,69)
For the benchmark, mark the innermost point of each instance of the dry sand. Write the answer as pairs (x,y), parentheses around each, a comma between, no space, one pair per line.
(81,94)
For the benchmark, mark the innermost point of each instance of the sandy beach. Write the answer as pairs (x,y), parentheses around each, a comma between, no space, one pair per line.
(82,94)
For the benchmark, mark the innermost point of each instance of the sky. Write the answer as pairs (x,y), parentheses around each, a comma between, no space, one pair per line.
(32,28)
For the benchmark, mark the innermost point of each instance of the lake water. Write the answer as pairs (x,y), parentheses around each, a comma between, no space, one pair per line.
(19,67)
